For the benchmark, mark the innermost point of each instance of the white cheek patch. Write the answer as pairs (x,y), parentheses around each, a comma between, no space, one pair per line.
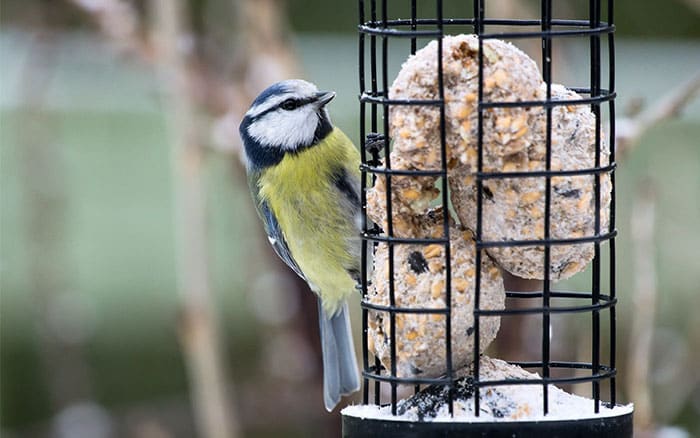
(285,129)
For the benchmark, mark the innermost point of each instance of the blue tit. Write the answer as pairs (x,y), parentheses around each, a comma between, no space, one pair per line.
(304,175)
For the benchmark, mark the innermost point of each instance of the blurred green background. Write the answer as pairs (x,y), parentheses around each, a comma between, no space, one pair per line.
(93,206)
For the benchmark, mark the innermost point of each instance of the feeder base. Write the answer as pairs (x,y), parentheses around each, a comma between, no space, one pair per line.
(605,427)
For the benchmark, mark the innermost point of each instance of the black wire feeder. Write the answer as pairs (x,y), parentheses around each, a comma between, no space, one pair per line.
(376,28)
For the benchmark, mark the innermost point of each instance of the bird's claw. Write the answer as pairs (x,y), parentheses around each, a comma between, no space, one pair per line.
(374,144)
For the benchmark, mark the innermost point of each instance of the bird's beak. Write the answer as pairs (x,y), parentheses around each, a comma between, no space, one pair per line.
(323,97)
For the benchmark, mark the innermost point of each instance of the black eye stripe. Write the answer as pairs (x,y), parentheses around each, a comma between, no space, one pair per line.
(299,102)
(291,104)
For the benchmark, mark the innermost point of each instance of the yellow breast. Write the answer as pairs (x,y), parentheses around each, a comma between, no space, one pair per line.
(320,233)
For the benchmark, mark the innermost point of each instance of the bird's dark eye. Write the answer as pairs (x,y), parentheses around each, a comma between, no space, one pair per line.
(289,104)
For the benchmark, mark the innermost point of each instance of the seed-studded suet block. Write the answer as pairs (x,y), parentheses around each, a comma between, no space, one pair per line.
(514,140)
(420,282)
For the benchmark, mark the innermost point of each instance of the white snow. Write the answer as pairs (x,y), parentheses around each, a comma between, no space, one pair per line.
(574,411)
(502,403)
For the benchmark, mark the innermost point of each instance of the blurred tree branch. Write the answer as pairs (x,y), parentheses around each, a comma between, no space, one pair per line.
(120,22)
(645,303)
(630,130)
(199,328)
(694,5)
(262,55)
(213,84)
(58,313)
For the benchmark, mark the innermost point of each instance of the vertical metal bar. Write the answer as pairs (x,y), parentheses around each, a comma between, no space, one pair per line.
(363,202)
(546,25)
(373,65)
(478,30)
(413,25)
(449,374)
(373,127)
(389,215)
(611,143)
(478,17)
(594,21)
(361,54)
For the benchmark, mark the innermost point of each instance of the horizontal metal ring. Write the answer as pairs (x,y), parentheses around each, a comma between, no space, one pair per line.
(600,30)
(604,96)
(544,173)
(405,380)
(470,21)
(549,380)
(395,309)
(403,240)
(402,172)
(543,242)
(398,33)
(605,372)
(560,364)
(604,304)
(491,175)
(385,28)
(558,294)
(380,99)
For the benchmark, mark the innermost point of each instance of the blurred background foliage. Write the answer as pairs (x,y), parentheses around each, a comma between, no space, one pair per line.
(90,317)
(677,18)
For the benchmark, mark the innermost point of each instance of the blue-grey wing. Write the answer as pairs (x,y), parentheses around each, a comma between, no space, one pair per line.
(276,238)
(347,183)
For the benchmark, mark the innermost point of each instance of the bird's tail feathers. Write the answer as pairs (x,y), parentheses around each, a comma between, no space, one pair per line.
(340,374)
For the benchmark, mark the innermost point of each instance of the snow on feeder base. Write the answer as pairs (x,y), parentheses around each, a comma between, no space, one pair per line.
(505,410)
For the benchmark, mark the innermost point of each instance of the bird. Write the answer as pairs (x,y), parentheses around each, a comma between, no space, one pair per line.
(304,178)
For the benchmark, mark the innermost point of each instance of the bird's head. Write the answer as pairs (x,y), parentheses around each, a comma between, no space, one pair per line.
(287,117)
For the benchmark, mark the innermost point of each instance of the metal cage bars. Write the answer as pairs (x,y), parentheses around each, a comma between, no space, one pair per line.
(379,26)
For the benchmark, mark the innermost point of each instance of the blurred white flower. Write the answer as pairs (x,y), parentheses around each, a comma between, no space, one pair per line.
(80,420)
